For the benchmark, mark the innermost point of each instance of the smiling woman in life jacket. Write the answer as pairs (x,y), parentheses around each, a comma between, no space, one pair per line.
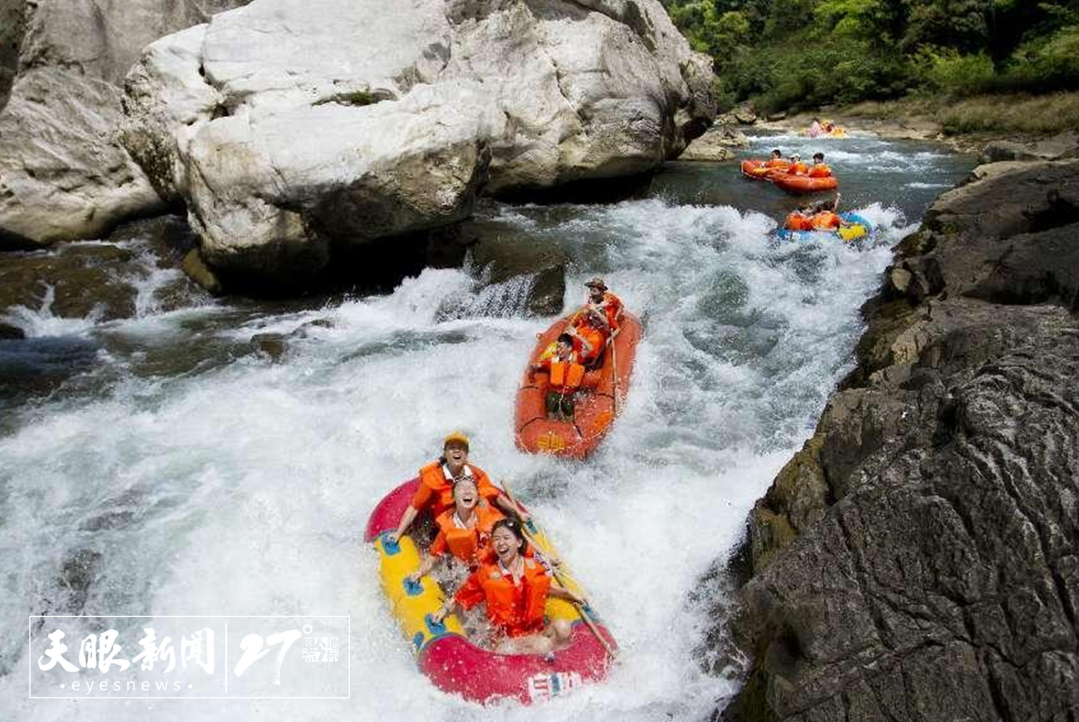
(564,378)
(514,589)
(435,492)
(464,531)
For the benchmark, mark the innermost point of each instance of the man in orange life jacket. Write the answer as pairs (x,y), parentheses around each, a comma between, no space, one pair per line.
(819,169)
(464,531)
(776,161)
(595,322)
(599,297)
(435,492)
(565,375)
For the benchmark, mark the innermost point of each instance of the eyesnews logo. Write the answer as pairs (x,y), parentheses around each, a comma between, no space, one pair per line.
(128,657)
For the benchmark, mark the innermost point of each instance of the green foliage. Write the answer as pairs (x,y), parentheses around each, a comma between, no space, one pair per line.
(794,54)
(945,70)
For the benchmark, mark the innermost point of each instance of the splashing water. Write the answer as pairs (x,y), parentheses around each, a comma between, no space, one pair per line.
(41,322)
(235,485)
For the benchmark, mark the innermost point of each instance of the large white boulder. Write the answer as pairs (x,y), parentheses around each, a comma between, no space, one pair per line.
(63,175)
(288,126)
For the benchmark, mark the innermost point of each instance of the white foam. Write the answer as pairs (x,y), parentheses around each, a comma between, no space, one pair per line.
(42,322)
(251,483)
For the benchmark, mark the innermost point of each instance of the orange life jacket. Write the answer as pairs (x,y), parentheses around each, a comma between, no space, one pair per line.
(612,306)
(798,168)
(777,163)
(826,221)
(469,544)
(516,609)
(595,338)
(436,491)
(820,171)
(566,375)
(796,222)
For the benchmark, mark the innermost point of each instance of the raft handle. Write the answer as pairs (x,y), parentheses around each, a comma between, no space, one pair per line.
(435,628)
(413,588)
(389,546)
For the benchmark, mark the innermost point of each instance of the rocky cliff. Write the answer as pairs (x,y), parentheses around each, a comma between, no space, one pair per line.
(919,558)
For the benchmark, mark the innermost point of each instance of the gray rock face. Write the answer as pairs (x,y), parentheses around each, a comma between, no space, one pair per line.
(1061,146)
(12,27)
(62,174)
(716,144)
(289,127)
(919,558)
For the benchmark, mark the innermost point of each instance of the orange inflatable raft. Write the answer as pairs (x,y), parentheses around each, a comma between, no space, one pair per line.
(803,184)
(598,401)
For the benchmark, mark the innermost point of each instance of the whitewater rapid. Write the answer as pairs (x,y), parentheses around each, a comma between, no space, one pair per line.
(231,484)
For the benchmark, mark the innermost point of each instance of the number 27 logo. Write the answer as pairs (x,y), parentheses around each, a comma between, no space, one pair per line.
(252,645)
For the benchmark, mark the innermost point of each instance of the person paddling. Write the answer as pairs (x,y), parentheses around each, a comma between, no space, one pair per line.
(435,492)
(595,322)
(514,589)
(826,217)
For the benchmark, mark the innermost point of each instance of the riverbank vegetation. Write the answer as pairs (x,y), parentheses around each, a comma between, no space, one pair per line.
(799,54)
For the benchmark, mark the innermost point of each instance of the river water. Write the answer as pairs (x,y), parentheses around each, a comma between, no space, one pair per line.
(176,473)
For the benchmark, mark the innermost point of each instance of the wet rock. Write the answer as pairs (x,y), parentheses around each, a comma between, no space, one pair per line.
(8,332)
(84,280)
(77,574)
(269,345)
(917,559)
(715,145)
(745,115)
(197,270)
(502,252)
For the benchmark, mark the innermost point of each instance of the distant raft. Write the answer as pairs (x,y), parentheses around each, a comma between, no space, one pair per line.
(799,184)
(443,651)
(860,229)
(596,405)
(822,133)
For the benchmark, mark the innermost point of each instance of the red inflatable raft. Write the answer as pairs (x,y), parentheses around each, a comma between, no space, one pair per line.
(596,405)
(443,651)
(798,184)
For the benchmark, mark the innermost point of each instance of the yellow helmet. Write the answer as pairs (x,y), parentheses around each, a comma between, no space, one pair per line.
(456,436)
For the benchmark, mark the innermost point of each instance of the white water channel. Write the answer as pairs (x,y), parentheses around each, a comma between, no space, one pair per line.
(241,486)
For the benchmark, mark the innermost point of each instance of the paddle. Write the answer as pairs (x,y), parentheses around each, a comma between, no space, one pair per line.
(614,373)
(560,578)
